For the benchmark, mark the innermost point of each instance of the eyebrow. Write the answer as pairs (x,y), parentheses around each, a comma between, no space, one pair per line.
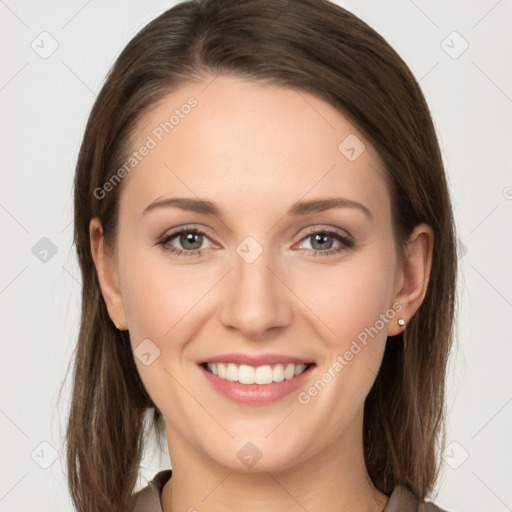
(297,209)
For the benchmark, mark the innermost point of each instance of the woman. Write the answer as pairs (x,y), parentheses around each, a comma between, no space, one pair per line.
(230,141)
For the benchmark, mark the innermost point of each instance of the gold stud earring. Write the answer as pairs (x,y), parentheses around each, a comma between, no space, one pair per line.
(118,327)
(401,322)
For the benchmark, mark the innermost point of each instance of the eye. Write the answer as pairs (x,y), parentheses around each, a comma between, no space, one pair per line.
(321,241)
(191,239)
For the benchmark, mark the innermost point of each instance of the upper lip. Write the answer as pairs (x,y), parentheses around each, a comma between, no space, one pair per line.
(255,360)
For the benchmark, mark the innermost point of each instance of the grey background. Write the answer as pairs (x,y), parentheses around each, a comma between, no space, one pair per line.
(45,100)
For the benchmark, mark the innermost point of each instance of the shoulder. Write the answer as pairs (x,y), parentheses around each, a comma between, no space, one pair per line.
(403,500)
(147,499)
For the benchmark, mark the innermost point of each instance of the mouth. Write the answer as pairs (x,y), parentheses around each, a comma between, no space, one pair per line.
(262,375)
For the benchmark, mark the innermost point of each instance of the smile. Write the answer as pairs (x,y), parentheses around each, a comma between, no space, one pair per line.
(256,385)
(246,374)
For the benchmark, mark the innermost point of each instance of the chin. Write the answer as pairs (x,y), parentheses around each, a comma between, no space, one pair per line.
(257,457)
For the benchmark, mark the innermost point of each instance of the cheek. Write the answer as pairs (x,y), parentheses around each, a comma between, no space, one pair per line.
(161,297)
(157,295)
(160,301)
(352,297)
(357,312)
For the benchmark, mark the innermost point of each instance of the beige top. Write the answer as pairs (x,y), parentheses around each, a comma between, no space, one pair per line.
(148,498)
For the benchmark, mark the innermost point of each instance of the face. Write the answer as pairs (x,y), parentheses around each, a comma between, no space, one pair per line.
(258,277)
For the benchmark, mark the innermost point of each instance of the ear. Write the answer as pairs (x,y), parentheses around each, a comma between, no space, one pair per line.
(413,276)
(107,274)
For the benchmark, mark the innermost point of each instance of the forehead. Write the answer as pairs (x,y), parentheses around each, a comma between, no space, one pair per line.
(250,146)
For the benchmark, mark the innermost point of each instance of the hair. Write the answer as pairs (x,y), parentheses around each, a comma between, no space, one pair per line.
(317,47)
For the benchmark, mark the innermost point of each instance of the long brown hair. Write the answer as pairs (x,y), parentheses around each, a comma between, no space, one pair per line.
(314,46)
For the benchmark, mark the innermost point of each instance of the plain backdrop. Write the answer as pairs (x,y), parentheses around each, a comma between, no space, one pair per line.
(459,51)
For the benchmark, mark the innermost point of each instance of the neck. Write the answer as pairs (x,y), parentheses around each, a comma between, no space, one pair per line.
(334,479)
(336,476)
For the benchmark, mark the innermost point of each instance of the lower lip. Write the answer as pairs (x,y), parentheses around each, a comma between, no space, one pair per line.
(256,394)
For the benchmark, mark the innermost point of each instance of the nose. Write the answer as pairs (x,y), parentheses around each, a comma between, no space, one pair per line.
(255,298)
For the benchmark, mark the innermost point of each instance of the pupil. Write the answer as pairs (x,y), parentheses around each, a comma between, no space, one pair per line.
(189,238)
(192,238)
(319,238)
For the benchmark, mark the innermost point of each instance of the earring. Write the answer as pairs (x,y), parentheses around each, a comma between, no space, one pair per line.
(118,327)
(401,323)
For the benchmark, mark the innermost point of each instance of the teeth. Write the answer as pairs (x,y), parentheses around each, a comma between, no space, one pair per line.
(245,374)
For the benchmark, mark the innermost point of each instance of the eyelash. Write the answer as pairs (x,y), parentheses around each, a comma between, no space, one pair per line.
(347,243)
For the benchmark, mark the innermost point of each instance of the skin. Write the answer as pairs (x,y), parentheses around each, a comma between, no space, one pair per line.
(255,149)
